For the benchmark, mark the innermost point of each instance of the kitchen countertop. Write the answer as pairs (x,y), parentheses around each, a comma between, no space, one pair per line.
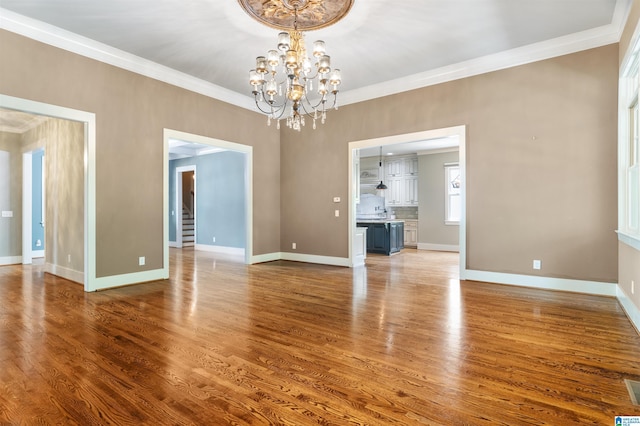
(379,220)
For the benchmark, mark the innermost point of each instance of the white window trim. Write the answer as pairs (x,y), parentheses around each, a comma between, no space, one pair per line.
(629,90)
(447,166)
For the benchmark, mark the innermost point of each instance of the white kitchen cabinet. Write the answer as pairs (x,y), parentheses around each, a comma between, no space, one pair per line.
(394,167)
(410,191)
(393,193)
(410,233)
(401,178)
(410,166)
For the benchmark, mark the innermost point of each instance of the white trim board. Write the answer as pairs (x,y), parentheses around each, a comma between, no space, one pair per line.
(66,273)
(235,251)
(267,257)
(10,260)
(632,311)
(89,120)
(629,240)
(66,40)
(438,247)
(63,39)
(546,283)
(300,257)
(247,150)
(461,133)
(321,260)
(104,283)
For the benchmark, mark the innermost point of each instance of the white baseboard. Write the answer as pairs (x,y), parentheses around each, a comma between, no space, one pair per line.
(10,260)
(37,254)
(548,283)
(66,273)
(310,258)
(104,283)
(174,244)
(307,258)
(359,261)
(268,257)
(632,311)
(220,249)
(438,247)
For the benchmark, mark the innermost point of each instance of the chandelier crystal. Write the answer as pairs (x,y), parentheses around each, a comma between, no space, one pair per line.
(289,82)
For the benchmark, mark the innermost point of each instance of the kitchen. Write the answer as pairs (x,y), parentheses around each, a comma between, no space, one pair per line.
(405,198)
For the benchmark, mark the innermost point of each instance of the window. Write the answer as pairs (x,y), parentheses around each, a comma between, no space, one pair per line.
(452,200)
(633,178)
(629,152)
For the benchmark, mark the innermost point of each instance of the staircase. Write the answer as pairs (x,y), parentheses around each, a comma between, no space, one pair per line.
(188,228)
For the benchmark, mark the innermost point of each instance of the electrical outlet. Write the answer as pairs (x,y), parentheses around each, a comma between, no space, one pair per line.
(293,246)
(632,287)
(68,258)
(537,264)
(141,261)
(214,239)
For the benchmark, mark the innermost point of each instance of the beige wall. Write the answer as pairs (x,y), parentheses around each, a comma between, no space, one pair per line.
(11,228)
(546,198)
(131,113)
(431,199)
(541,165)
(629,258)
(64,190)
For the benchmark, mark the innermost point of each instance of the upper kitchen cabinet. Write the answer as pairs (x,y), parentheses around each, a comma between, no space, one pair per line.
(401,177)
(394,167)
(410,165)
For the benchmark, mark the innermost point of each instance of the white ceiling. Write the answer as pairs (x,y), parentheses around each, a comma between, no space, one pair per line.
(183,149)
(380,49)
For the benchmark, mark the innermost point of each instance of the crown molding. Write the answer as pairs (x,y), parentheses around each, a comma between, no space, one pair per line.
(572,43)
(503,60)
(66,40)
(75,43)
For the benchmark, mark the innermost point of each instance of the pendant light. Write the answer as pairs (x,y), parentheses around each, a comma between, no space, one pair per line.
(381,185)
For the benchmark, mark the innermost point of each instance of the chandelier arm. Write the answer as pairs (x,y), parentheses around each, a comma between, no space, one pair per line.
(321,101)
(273,109)
(260,96)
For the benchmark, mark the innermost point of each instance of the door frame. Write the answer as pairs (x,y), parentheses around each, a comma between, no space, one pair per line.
(460,132)
(178,209)
(90,281)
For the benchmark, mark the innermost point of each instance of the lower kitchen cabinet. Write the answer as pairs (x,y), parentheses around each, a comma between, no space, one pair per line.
(384,238)
(410,233)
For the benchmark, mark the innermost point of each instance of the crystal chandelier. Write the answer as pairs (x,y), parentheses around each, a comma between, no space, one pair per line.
(287,83)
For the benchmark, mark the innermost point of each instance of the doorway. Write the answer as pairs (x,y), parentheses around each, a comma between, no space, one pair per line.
(186,199)
(458,132)
(210,184)
(33,205)
(86,273)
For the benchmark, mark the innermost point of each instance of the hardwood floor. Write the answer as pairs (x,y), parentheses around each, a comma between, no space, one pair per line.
(400,341)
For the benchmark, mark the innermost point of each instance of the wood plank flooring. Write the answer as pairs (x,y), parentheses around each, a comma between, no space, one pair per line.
(401,341)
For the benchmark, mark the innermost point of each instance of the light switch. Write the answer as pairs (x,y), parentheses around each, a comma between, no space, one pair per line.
(6,213)
(337,213)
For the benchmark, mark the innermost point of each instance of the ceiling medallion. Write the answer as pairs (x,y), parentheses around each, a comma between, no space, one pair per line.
(311,14)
